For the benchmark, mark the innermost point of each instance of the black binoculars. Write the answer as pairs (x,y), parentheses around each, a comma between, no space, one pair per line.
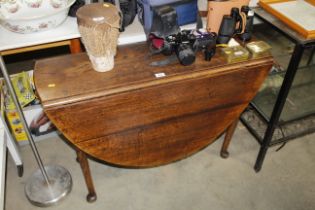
(240,23)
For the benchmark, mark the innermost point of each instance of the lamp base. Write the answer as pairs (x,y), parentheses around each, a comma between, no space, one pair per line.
(41,194)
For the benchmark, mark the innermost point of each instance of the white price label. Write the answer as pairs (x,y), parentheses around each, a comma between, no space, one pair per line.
(238,53)
(161,74)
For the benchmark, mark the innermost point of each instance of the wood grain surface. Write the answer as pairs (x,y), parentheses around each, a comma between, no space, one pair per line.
(128,117)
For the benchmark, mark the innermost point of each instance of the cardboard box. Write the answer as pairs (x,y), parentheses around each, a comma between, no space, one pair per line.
(37,122)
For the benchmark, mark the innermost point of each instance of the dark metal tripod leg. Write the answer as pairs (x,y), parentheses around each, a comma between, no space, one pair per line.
(20,170)
(282,96)
(91,197)
(310,58)
(227,139)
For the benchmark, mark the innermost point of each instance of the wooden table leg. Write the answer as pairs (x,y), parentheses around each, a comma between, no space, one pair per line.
(227,139)
(91,197)
(75,46)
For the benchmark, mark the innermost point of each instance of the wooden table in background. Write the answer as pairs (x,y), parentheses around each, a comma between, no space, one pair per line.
(142,116)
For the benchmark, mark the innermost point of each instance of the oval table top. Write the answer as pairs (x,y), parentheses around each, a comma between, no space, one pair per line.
(137,115)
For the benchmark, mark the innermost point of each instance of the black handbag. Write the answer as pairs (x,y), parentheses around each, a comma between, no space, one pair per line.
(128,9)
(73,9)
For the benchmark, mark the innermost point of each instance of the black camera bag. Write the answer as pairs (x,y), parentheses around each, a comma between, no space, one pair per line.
(164,21)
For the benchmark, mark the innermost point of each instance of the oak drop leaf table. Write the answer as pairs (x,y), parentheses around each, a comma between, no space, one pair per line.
(140,116)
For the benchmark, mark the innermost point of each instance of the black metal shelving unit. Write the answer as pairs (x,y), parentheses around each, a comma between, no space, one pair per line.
(297,117)
(284,108)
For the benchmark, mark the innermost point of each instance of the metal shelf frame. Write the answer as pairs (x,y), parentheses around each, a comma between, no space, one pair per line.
(300,45)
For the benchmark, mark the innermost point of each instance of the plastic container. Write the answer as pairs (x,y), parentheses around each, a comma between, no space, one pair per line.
(235,54)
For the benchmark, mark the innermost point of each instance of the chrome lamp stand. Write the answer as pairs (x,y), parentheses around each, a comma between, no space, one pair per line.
(49,184)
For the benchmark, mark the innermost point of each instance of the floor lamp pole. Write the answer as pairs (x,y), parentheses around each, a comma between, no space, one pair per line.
(51,183)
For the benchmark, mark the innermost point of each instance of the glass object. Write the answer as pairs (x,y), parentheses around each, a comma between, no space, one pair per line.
(235,54)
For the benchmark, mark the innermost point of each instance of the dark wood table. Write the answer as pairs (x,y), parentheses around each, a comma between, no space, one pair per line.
(142,116)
